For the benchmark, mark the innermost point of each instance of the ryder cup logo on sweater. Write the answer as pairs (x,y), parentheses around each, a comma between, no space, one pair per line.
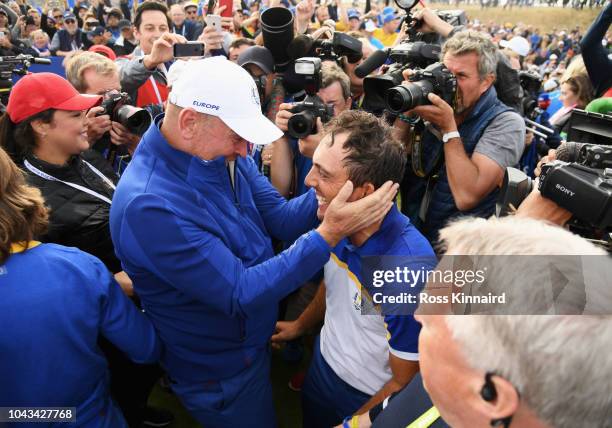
(206,105)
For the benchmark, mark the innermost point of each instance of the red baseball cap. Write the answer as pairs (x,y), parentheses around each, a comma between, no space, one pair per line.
(38,92)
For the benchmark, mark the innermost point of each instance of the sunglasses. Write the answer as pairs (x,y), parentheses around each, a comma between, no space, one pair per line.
(57,17)
(70,21)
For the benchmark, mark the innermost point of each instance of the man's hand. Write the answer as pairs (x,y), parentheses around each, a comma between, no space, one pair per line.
(267,153)
(432,23)
(97,126)
(303,13)
(439,113)
(344,218)
(309,144)
(212,39)
(283,116)
(162,50)
(286,331)
(121,136)
(552,155)
(540,208)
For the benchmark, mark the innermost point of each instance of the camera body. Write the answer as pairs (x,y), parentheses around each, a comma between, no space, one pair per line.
(435,78)
(583,187)
(118,106)
(405,55)
(305,113)
(531,84)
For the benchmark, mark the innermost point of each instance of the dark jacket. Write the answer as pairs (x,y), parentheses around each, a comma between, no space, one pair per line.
(190,30)
(595,56)
(78,219)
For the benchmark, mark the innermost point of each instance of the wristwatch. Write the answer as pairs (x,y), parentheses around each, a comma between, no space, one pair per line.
(446,137)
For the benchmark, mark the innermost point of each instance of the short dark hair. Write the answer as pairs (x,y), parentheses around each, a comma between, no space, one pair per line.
(374,155)
(150,5)
(241,41)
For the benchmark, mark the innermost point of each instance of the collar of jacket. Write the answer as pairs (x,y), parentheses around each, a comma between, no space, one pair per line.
(484,103)
(187,166)
(57,171)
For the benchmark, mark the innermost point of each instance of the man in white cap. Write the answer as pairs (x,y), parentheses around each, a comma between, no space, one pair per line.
(192,221)
(519,46)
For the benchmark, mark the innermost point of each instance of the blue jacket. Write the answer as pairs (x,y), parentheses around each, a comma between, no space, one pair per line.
(200,254)
(442,207)
(54,302)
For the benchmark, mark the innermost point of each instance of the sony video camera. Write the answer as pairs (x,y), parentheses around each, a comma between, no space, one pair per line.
(305,113)
(118,106)
(584,187)
(436,78)
(405,55)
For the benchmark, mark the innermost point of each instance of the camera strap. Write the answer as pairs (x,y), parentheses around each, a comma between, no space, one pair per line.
(84,189)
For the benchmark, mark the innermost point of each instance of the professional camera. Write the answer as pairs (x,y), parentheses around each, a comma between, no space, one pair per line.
(531,84)
(339,46)
(117,105)
(584,187)
(436,78)
(305,113)
(19,65)
(453,17)
(405,55)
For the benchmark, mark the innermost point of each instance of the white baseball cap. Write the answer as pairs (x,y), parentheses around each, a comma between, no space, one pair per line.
(518,44)
(219,87)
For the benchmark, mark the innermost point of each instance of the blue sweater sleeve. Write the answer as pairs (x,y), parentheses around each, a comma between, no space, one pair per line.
(122,323)
(595,56)
(199,263)
(285,220)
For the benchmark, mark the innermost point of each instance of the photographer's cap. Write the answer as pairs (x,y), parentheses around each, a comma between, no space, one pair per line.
(38,92)
(219,87)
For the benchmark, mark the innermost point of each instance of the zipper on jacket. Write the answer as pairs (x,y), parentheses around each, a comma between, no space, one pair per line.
(233,187)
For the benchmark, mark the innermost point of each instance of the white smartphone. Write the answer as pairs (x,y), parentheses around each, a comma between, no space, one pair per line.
(213,21)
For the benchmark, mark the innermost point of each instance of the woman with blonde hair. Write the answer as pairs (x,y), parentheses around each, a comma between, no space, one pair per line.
(54,302)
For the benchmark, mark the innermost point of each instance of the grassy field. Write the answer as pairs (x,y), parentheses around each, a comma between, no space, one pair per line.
(543,18)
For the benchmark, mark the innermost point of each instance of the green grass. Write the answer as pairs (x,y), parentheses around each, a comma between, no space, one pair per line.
(286,401)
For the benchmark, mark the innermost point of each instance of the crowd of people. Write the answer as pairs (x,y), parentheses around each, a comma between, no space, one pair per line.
(183,252)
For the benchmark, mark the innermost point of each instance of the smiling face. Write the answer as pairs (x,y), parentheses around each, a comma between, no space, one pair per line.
(152,26)
(67,132)
(328,173)
(469,85)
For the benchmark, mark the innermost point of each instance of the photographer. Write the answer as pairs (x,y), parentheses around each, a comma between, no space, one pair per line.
(290,153)
(143,76)
(478,138)
(92,73)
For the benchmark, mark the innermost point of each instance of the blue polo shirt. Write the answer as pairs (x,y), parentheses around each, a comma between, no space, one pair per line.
(356,338)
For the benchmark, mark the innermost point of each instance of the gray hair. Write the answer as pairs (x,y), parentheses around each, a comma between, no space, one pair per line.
(468,41)
(557,362)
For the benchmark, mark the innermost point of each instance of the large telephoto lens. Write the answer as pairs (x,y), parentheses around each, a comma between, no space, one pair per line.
(406,97)
(135,119)
(301,125)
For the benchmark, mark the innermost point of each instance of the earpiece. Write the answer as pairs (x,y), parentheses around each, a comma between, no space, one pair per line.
(488,392)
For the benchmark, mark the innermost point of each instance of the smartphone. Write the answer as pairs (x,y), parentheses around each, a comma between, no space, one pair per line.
(213,21)
(189,49)
(211,7)
(229,8)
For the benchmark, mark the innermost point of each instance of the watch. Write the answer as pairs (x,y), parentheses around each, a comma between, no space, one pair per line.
(449,135)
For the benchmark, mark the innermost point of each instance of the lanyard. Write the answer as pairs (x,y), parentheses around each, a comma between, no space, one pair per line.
(164,71)
(84,189)
(426,419)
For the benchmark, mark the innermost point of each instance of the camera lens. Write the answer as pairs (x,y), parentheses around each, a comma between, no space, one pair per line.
(406,97)
(301,124)
(135,119)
